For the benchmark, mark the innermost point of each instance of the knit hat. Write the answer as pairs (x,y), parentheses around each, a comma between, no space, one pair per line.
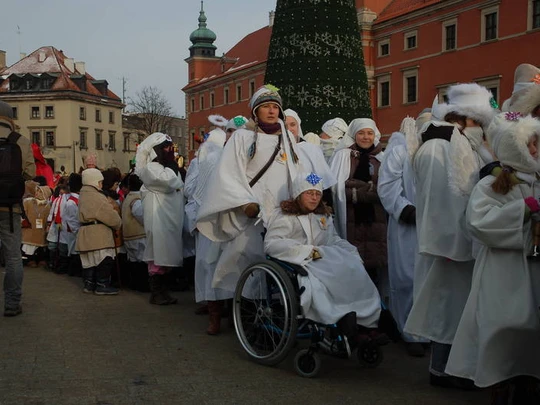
(6,115)
(508,135)
(264,95)
(92,177)
(335,128)
(238,122)
(355,126)
(294,114)
(526,94)
(468,99)
(307,181)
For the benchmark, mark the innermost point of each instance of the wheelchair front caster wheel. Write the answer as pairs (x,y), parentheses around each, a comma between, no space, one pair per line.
(307,364)
(369,354)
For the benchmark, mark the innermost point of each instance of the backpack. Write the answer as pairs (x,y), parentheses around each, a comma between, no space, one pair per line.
(11,169)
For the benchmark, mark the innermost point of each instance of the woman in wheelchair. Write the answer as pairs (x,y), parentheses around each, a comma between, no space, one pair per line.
(337,288)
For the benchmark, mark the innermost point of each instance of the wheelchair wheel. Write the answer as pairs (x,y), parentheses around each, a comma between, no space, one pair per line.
(370,354)
(307,364)
(265,310)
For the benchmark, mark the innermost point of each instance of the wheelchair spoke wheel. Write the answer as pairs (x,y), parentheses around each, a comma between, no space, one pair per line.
(370,354)
(265,310)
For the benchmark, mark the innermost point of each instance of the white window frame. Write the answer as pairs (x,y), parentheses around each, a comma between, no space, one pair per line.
(386,78)
(491,82)
(408,35)
(530,16)
(447,24)
(486,11)
(380,44)
(410,72)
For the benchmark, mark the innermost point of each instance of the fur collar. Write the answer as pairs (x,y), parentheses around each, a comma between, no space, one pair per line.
(291,207)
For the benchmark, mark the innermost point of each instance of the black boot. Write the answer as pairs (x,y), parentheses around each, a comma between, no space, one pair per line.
(89,280)
(75,265)
(103,277)
(53,257)
(141,277)
(159,293)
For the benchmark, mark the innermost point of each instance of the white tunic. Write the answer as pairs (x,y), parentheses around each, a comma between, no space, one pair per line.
(221,218)
(190,210)
(499,334)
(338,282)
(163,204)
(396,190)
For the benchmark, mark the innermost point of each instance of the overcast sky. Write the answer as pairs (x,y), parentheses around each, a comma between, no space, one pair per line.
(145,41)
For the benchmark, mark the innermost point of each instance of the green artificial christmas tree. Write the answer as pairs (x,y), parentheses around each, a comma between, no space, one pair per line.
(316,60)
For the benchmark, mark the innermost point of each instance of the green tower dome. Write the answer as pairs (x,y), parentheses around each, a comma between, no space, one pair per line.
(202,38)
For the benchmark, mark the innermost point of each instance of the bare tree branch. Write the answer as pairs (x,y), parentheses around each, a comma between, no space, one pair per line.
(154,110)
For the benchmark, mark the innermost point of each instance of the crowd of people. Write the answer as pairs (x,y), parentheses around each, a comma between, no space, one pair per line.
(440,227)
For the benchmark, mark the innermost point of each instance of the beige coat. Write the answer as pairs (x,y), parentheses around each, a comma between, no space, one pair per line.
(94,207)
(37,209)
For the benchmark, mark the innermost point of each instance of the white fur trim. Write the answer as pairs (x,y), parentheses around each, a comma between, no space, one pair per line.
(218,120)
(463,171)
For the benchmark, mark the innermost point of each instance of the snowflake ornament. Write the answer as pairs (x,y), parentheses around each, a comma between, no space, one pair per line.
(239,121)
(313,179)
(493,103)
(512,116)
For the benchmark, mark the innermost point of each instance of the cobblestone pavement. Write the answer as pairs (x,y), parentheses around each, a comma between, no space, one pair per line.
(72,348)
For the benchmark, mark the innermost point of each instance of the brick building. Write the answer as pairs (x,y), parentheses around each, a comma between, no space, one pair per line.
(413,50)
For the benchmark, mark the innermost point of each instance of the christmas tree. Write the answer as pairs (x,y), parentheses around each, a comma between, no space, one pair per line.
(316,60)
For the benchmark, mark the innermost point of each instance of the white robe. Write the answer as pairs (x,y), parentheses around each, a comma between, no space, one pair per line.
(221,218)
(396,190)
(499,334)
(190,209)
(443,237)
(163,202)
(338,282)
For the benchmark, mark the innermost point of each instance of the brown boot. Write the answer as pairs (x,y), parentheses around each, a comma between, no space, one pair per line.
(214,316)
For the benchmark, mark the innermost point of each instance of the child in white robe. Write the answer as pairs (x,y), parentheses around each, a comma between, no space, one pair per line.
(498,337)
(302,232)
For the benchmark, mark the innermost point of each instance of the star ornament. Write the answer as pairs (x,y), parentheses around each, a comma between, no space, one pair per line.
(313,179)
(512,116)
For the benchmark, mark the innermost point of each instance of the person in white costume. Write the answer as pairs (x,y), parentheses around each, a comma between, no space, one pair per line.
(208,252)
(447,166)
(525,97)
(238,122)
(302,232)
(499,333)
(310,155)
(397,192)
(332,132)
(254,174)
(162,197)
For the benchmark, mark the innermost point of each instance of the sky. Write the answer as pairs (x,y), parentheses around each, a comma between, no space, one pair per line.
(143,41)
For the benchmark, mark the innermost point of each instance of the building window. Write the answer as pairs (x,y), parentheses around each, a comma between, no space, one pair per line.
(192,104)
(82,113)
(383,91)
(15,113)
(489,24)
(212,100)
(34,112)
(82,139)
(251,88)
(491,83)
(411,40)
(534,13)
(111,117)
(410,86)
(450,35)
(238,92)
(98,115)
(112,140)
(126,142)
(49,139)
(36,137)
(201,102)
(226,95)
(49,111)
(99,141)
(28,84)
(384,47)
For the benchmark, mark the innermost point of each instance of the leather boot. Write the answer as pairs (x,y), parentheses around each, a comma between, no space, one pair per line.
(159,295)
(214,316)
(89,280)
(103,278)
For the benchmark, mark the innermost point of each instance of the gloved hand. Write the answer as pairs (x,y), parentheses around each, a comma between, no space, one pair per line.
(251,210)
(533,204)
(408,215)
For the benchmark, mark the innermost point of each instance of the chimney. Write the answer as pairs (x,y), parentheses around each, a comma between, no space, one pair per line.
(272,15)
(22,55)
(69,63)
(80,67)
(2,59)
(42,56)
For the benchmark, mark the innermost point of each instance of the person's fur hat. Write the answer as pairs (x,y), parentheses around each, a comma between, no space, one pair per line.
(508,135)
(92,177)
(526,94)
(307,181)
(6,115)
(264,95)
(468,99)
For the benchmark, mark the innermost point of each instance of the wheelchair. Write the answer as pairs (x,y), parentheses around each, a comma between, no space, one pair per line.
(269,322)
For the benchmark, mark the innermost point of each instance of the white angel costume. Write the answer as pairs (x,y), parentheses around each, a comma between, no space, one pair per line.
(337,283)
(162,196)
(499,333)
